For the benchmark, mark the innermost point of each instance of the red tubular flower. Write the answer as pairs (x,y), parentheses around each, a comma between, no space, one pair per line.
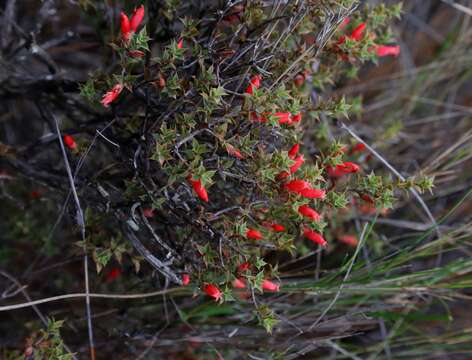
(313,194)
(199,189)
(254,83)
(258,118)
(297,185)
(334,172)
(297,118)
(239,283)
(342,169)
(277,227)
(111,95)
(137,17)
(357,32)
(180,44)
(254,234)
(308,212)
(70,142)
(213,291)
(299,160)
(185,279)
(125,26)
(129,27)
(314,236)
(293,151)
(148,213)
(386,50)
(349,240)
(243,267)
(231,150)
(359,147)
(348,167)
(113,274)
(283,117)
(270,286)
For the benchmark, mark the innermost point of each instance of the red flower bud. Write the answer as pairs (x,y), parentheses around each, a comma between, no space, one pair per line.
(314,236)
(299,160)
(386,50)
(334,172)
(234,152)
(293,151)
(278,227)
(297,118)
(297,185)
(313,194)
(243,267)
(70,142)
(360,147)
(185,279)
(111,95)
(357,32)
(350,240)
(308,212)
(180,44)
(136,19)
(342,169)
(367,198)
(254,83)
(136,53)
(270,286)
(258,118)
(254,234)
(213,291)
(113,274)
(348,167)
(239,283)
(199,189)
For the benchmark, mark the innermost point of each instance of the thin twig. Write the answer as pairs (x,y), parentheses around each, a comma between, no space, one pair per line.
(89,295)
(81,224)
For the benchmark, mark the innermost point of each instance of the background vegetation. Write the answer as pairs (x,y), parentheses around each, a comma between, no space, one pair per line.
(112,225)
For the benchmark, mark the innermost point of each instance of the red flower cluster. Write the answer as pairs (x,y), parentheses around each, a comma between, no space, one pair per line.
(129,27)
